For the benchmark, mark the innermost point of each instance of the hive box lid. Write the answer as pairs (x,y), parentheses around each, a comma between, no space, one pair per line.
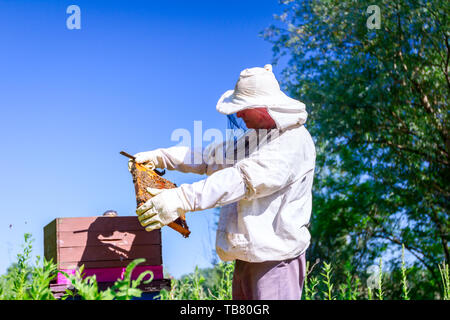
(100,242)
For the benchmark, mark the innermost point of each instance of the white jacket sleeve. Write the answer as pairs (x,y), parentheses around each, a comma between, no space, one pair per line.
(272,167)
(222,187)
(257,176)
(182,159)
(185,159)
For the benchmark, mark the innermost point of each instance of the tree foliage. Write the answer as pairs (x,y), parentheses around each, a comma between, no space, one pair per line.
(378,111)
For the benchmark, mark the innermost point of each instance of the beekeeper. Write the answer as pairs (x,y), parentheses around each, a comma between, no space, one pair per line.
(264,195)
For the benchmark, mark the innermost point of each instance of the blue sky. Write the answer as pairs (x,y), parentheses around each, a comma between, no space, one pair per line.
(70,100)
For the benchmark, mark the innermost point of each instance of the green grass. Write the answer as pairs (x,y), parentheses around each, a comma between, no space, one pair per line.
(27,281)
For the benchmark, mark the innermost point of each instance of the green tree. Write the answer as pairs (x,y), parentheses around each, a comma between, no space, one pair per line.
(378,111)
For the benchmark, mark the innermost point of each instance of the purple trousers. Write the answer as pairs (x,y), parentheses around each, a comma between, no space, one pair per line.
(269,280)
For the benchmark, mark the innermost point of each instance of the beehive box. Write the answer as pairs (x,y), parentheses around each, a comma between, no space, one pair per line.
(105,246)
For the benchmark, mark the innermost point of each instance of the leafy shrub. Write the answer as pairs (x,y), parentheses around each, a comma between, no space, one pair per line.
(123,289)
(26,282)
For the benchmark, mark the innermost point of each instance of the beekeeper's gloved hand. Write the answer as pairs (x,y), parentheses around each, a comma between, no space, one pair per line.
(166,206)
(149,165)
(151,159)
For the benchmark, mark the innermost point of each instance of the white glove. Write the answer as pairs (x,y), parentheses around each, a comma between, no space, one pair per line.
(165,207)
(150,158)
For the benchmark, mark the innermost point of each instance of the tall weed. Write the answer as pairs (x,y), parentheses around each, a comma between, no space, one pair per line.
(405,291)
(26,282)
(444,271)
(191,287)
(326,274)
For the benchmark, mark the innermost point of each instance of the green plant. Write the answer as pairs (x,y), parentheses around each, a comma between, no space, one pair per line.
(21,273)
(195,287)
(310,283)
(222,291)
(353,286)
(342,291)
(349,290)
(444,271)
(310,290)
(380,281)
(123,289)
(189,288)
(85,287)
(41,278)
(326,274)
(404,280)
(354,290)
(26,282)
(197,290)
(369,293)
(126,289)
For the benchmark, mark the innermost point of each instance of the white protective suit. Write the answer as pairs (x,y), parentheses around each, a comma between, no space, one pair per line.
(265,196)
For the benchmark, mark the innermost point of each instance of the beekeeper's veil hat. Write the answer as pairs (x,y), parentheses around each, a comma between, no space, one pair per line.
(258,87)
